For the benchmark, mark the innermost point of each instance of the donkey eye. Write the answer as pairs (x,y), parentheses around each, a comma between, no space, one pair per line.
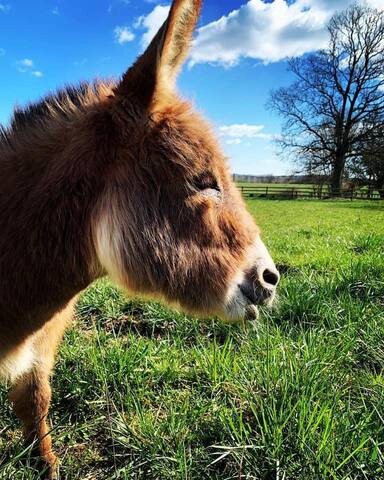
(206,182)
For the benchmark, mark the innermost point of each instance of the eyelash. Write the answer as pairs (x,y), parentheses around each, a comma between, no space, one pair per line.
(206,183)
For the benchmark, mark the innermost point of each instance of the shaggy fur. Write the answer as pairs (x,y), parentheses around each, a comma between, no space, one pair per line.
(121,179)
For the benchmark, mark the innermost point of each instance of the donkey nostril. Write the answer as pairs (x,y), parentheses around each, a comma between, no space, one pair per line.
(271,278)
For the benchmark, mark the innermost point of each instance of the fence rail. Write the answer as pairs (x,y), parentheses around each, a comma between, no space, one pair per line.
(285,192)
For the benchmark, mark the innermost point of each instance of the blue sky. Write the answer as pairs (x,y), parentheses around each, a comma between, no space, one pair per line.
(238,56)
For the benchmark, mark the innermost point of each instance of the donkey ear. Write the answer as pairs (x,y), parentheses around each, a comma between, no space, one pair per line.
(157,68)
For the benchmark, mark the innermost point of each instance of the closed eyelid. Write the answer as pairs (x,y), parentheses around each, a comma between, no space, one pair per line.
(206,181)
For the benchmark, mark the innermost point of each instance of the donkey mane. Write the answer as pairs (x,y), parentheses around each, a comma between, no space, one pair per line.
(61,105)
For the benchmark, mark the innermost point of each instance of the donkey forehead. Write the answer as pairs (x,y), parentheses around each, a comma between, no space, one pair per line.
(189,140)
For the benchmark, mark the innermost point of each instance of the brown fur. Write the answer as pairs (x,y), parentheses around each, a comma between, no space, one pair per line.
(121,179)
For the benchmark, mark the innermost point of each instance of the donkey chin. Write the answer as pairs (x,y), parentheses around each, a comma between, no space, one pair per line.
(255,285)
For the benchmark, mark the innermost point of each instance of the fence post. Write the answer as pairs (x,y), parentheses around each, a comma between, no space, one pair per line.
(266,192)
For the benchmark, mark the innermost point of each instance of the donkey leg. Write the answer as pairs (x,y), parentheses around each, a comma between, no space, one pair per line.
(31,393)
(31,396)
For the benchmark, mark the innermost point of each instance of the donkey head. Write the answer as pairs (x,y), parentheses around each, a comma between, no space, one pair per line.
(171,223)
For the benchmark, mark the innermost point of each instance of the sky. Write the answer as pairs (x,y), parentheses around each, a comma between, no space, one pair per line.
(239,54)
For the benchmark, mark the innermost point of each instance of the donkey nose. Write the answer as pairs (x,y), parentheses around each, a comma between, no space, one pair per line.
(259,284)
(271,277)
(260,289)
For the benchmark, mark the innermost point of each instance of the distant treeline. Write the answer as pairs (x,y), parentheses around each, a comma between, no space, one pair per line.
(286,179)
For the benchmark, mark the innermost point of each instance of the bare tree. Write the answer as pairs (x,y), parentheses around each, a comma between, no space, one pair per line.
(337,91)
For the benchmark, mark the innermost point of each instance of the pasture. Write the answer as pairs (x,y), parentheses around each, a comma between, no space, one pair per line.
(143,392)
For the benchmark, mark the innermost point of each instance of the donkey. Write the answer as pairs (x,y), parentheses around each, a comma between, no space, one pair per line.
(123,179)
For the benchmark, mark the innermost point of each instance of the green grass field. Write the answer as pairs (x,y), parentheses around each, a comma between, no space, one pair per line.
(142,392)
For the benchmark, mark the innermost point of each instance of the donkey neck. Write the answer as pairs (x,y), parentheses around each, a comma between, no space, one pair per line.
(47,197)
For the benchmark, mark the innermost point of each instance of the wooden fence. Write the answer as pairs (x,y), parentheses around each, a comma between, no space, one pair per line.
(287,193)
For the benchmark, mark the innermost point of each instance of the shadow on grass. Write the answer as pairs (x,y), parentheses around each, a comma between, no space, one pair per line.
(22,462)
(155,322)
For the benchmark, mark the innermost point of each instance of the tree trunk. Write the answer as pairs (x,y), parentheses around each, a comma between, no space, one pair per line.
(337,175)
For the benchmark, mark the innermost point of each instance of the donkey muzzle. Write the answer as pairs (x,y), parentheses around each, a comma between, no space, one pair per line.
(256,285)
(259,285)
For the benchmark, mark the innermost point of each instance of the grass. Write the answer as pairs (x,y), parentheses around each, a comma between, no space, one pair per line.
(142,392)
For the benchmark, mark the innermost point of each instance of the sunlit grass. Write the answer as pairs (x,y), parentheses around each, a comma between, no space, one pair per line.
(144,392)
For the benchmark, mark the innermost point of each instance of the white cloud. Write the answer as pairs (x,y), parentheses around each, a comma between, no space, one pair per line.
(377,4)
(123,35)
(4,7)
(239,132)
(151,23)
(26,65)
(267,31)
(243,130)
